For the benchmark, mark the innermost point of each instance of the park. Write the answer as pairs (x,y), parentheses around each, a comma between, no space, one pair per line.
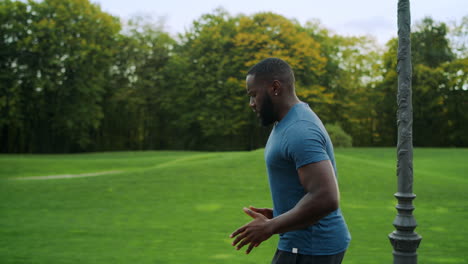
(122,143)
(180,207)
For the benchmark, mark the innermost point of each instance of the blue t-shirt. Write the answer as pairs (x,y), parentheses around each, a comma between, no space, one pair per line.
(297,140)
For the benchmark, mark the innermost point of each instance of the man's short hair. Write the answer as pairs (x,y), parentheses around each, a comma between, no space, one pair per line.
(272,69)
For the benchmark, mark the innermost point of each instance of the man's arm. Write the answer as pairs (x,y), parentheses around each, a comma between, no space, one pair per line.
(322,198)
(267,212)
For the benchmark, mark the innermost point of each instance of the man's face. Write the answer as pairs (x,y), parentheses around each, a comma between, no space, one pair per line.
(260,101)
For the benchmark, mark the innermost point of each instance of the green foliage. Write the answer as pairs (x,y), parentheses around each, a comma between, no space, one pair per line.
(429,43)
(197,197)
(217,51)
(458,37)
(456,97)
(352,72)
(74,78)
(58,59)
(135,93)
(338,136)
(439,85)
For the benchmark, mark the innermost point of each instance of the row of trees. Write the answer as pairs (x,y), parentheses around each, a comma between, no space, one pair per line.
(74,78)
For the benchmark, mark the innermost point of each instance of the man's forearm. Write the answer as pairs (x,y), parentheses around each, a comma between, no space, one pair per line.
(309,210)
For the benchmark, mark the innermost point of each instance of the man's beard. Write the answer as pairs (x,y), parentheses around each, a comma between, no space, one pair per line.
(267,115)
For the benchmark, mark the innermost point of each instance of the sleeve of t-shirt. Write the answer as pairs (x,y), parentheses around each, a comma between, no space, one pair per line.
(304,143)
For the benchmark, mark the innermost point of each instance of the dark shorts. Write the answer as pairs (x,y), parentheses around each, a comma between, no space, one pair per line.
(283,257)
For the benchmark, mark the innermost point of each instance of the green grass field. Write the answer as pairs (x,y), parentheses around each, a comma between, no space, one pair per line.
(180,207)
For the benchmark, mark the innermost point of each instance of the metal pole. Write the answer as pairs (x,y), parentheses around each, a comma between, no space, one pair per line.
(404,240)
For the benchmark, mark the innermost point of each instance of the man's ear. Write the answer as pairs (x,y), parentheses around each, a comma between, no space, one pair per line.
(276,88)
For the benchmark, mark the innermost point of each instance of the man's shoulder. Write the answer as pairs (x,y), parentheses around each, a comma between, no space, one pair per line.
(302,126)
(305,116)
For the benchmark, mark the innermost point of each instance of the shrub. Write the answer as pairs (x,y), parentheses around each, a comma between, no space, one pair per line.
(338,136)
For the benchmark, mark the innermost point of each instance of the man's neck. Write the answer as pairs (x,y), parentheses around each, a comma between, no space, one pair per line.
(288,104)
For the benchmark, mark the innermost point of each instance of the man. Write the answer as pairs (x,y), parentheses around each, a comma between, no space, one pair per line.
(301,172)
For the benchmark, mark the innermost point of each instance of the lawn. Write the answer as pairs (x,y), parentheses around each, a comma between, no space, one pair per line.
(180,207)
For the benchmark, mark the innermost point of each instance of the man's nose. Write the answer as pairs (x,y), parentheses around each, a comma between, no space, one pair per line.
(252,104)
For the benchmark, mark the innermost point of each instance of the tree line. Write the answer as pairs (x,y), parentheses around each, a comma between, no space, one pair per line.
(74,78)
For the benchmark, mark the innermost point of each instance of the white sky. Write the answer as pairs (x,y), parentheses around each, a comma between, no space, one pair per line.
(345,17)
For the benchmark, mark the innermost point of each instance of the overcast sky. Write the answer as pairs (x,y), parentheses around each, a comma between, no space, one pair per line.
(345,17)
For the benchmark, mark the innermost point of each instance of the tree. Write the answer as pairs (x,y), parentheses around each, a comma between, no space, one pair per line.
(133,104)
(219,49)
(430,45)
(456,102)
(13,69)
(458,37)
(72,80)
(351,73)
(58,67)
(439,85)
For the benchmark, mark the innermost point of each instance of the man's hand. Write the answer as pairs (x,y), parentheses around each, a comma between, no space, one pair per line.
(252,233)
(267,212)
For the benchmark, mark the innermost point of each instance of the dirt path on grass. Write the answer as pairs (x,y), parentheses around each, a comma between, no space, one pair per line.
(66,176)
